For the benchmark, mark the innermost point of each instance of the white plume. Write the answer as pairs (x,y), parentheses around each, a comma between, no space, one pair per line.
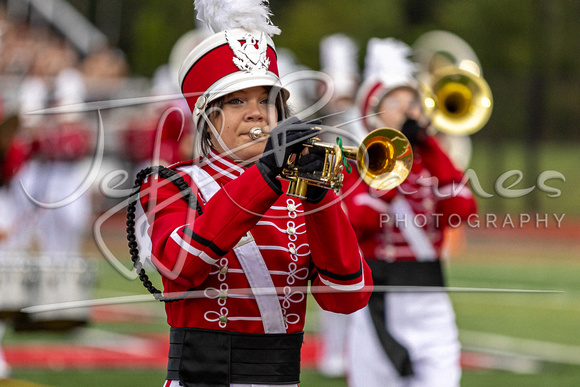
(388,57)
(221,15)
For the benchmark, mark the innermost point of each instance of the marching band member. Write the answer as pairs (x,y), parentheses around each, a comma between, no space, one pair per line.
(5,368)
(60,146)
(50,238)
(404,339)
(244,232)
(13,153)
(338,59)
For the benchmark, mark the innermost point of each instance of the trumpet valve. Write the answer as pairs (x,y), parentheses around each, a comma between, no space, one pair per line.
(297,188)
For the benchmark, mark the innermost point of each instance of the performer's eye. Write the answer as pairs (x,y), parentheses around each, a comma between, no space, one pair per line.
(267,101)
(234,101)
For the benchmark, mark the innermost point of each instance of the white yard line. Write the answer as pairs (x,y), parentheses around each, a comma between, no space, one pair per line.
(111,341)
(541,350)
(483,358)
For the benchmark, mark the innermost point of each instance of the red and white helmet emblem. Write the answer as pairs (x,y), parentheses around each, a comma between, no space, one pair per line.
(251,55)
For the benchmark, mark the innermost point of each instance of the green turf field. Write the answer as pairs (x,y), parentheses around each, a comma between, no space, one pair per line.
(491,160)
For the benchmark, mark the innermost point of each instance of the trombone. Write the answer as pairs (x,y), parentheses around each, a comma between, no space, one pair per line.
(453,92)
(384,160)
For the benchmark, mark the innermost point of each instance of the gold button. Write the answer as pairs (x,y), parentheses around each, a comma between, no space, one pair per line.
(291,207)
(223,295)
(223,319)
(223,269)
(291,230)
(292,250)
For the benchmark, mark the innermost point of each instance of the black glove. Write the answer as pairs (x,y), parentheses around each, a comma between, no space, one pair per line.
(286,138)
(415,133)
(312,161)
(308,163)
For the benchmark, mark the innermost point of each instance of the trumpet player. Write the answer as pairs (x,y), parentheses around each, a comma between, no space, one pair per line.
(404,339)
(244,232)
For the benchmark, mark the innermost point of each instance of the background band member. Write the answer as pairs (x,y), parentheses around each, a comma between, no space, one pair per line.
(404,339)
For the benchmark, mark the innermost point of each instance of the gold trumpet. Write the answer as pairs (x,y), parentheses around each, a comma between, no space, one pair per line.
(454,94)
(384,160)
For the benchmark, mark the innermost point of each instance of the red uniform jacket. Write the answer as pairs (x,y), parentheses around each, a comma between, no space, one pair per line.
(407,223)
(140,134)
(12,159)
(67,141)
(299,242)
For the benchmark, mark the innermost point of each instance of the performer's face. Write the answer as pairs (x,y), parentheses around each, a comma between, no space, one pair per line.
(243,110)
(398,105)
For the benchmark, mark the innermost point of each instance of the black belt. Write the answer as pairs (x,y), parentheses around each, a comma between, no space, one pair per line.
(404,273)
(209,358)
(407,273)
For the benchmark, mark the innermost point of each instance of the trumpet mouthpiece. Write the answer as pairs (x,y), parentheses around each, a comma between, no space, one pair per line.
(256,132)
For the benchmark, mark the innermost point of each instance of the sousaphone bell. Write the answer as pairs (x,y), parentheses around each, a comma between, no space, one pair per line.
(455,96)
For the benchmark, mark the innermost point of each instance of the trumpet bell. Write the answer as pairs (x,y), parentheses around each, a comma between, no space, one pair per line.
(458,102)
(384,159)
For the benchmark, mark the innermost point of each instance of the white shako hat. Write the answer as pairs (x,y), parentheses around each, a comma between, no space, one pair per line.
(339,59)
(387,67)
(240,55)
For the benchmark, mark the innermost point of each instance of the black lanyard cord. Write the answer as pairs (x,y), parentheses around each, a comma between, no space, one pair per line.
(188,196)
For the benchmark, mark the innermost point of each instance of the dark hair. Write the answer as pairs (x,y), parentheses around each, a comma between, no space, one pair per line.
(215,107)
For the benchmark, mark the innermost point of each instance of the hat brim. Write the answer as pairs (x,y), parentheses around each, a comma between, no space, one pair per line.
(236,82)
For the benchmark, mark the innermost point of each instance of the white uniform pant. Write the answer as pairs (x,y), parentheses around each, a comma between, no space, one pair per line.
(424,323)
(333,334)
(4,367)
(57,230)
(175,383)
